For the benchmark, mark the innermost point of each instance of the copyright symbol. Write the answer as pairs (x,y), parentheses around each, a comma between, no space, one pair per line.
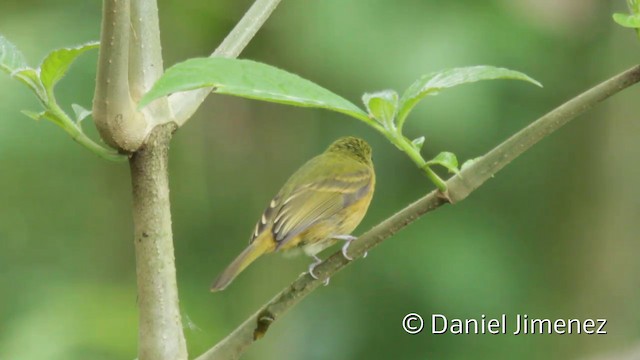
(412,323)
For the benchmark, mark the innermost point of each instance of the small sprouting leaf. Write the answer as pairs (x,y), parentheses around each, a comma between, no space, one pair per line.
(80,112)
(382,106)
(627,20)
(31,78)
(432,83)
(418,142)
(12,62)
(249,79)
(11,59)
(28,76)
(42,80)
(34,115)
(47,115)
(447,160)
(56,63)
(64,122)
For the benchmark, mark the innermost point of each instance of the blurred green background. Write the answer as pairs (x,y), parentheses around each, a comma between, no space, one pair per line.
(554,235)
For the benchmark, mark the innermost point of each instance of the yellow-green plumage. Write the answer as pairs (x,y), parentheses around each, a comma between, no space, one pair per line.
(327,197)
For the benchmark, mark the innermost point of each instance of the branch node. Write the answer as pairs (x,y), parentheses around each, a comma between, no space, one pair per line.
(444,195)
(265,319)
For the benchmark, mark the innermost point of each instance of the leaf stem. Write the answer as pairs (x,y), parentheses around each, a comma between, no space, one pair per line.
(59,116)
(185,104)
(96,148)
(407,147)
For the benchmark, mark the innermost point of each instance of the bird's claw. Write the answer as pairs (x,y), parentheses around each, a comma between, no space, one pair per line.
(345,247)
(313,266)
(348,239)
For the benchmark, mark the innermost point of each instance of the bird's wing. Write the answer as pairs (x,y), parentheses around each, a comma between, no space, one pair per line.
(318,200)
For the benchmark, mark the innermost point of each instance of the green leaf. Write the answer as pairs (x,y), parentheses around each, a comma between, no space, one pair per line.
(31,78)
(418,142)
(80,112)
(47,115)
(447,160)
(41,81)
(56,63)
(627,20)
(63,121)
(12,62)
(249,79)
(432,83)
(382,106)
(11,59)
(34,115)
(28,76)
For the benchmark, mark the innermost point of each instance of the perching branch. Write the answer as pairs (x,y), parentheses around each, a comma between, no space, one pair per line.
(185,104)
(460,186)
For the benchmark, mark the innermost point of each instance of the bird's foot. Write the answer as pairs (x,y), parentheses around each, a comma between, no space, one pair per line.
(313,265)
(347,239)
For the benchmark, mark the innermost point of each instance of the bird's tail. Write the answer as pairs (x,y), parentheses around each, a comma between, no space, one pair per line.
(258,247)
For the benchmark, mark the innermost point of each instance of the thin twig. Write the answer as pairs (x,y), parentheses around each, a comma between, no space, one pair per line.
(460,186)
(185,104)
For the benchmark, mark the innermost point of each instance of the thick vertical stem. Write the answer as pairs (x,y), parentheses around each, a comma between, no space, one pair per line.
(160,332)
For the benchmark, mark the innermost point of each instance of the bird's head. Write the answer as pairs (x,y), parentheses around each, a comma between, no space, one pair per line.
(353,147)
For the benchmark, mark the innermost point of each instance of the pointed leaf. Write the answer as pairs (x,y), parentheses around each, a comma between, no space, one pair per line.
(249,79)
(56,63)
(11,59)
(30,77)
(432,83)
(51,116)
(382,106)
(34,115)
(80,112)
(12,62)
(47,115)
(447,160)
(418,142)
(627,20)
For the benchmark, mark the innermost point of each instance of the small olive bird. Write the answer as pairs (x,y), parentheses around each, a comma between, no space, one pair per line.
(321,203)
